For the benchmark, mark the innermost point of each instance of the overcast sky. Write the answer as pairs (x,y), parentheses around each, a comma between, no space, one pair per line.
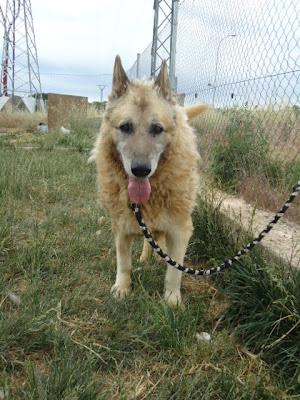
(245,51)
(83,37)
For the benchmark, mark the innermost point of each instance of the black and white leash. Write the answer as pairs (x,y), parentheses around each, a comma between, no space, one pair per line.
(228,262)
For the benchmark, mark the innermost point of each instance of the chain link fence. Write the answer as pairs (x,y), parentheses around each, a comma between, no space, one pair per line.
(243,59)
(142,66)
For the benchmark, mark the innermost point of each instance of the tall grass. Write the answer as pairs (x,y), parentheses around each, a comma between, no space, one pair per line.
(246,151)
(21,121)
(279,127)
(265,312)
(252,152)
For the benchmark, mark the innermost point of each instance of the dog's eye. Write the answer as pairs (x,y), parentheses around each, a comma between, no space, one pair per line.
(156,129)
(126,128)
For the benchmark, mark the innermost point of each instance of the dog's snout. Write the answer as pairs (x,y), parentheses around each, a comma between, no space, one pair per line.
(141,170)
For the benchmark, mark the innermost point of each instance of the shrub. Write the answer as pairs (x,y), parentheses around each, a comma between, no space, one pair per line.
(242,152)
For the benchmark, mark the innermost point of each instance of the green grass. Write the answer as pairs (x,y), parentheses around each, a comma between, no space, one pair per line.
(69,339)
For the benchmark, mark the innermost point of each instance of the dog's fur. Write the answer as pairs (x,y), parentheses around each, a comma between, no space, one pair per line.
(174,171)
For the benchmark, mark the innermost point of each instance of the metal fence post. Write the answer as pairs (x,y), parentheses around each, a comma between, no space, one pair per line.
(154,39)
(164,36)
(138,57)
(173,40)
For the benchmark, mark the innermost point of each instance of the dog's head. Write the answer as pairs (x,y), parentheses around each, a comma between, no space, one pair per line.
(141,118)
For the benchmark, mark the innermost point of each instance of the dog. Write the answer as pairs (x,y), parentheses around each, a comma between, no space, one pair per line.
(146,153)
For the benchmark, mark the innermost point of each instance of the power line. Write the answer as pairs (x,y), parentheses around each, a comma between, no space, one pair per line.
(259,77)
(243,81)
(73,74)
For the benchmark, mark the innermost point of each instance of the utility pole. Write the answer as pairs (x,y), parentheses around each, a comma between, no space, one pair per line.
(164,37)
(101,87)
(20,74)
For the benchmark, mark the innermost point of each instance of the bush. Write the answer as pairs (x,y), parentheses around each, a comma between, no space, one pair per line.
(292,173)
(244,151)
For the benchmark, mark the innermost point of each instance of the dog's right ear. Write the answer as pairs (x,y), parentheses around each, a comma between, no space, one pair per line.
(120,79)
(163,82)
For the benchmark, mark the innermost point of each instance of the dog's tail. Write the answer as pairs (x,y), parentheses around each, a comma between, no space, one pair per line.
(195,110)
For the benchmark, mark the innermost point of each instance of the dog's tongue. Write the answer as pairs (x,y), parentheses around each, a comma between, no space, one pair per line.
(139,189)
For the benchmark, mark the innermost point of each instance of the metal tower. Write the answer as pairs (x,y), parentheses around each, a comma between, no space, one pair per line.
(164,37)
(20,74)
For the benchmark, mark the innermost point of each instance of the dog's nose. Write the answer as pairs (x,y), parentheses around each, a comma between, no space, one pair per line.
(141,170)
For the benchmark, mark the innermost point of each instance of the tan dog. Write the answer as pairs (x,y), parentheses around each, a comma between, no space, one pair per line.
(146,153)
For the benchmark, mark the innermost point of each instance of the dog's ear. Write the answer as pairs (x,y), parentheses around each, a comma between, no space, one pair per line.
(195,110)
(163,82)
(120,79)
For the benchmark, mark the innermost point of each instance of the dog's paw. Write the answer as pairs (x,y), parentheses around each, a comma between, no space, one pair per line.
(120,292)
(173,298)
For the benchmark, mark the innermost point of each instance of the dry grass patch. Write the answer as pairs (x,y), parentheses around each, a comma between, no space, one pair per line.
(262,195)
(21,121)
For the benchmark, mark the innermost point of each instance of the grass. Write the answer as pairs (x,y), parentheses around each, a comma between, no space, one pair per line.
(69,339)
(264,297)
(83,134)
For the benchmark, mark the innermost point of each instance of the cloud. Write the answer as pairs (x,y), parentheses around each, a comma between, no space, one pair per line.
(254,67)
(83,37)
(86,35)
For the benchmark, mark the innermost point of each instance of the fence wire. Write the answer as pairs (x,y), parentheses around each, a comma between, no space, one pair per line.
(141,69)
(243,59)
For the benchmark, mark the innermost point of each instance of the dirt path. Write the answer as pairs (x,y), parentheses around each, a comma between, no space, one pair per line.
(283,240)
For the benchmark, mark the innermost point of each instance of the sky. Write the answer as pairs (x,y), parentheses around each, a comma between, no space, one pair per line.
(83,37)
(243,52)
(236,52)
(228,51)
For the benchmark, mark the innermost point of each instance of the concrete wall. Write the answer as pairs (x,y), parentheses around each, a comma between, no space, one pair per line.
(62,108)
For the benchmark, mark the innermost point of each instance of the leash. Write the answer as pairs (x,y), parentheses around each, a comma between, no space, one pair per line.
(229,261)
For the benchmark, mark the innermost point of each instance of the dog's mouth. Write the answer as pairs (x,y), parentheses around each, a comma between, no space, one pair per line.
(139,189)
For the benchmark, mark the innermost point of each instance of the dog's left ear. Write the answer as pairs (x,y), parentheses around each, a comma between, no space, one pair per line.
(163,82)
(120,79)
(195,110)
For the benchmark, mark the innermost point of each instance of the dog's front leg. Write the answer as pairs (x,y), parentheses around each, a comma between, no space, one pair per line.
(122,286)
(177,242)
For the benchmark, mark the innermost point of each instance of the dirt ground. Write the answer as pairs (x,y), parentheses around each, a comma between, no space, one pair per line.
(283,240)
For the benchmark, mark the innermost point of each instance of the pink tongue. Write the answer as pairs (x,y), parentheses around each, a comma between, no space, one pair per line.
(139,189)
